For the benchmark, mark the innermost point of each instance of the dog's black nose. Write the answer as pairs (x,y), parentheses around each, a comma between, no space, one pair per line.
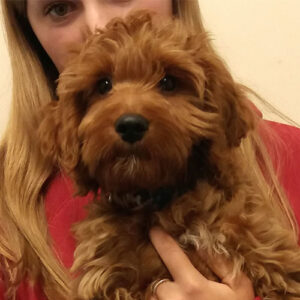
(131,127)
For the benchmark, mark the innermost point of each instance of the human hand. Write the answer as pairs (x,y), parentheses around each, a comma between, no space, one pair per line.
(188,283)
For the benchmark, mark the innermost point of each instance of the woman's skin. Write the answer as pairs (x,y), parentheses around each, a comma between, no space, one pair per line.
(188,283)
(57,24)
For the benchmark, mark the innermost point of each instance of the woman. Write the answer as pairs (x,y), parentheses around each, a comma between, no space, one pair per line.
(36,206)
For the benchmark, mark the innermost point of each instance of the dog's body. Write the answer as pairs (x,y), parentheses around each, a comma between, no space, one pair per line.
(151,116)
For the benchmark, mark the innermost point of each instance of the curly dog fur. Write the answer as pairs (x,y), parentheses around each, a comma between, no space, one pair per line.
(180,165)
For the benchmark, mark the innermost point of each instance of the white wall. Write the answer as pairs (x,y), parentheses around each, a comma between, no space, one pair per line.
(259,39)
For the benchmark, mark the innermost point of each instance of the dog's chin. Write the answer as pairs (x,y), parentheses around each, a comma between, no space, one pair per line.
(131,183)
(131,174)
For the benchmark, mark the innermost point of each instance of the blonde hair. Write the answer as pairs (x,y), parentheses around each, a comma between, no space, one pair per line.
(25,245)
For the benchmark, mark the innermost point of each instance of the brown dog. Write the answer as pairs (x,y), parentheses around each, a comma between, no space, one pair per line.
(151,116)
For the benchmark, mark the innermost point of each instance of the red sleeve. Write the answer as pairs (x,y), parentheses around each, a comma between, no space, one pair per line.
(62,210)
(1,290)
(284,148)
(27,291)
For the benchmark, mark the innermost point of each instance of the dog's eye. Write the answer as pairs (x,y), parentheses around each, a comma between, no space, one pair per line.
(168,83)
(104,86)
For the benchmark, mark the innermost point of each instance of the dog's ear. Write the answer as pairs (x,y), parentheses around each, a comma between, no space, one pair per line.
(221,95)
(229,101)
(58,134)
(60,142)
(235,114)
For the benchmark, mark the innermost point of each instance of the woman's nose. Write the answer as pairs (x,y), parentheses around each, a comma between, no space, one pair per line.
(93,16)
(98,13)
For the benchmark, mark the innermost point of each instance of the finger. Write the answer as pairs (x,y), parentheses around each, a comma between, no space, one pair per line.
(167,290)
(220,265)
(178,264)
(154,292)
(223,268)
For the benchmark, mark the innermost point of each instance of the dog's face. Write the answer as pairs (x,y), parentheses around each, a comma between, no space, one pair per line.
(134,102)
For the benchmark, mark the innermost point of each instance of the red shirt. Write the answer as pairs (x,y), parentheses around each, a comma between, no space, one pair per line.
(63,209)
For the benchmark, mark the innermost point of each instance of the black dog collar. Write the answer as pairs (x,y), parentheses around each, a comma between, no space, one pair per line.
(145,200)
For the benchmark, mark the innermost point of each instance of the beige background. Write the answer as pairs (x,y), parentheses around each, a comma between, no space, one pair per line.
(259,39)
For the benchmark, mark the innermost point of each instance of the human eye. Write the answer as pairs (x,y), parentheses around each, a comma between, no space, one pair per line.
(59,9)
